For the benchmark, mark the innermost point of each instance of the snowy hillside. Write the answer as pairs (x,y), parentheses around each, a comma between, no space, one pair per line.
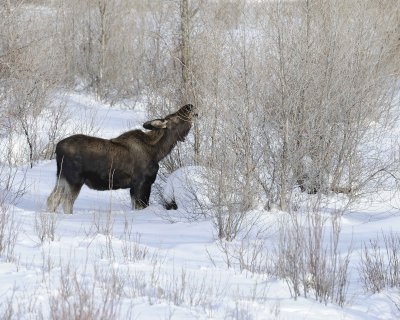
(107,261)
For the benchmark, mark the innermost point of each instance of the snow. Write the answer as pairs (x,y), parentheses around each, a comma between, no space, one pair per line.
(157,267)
(187,187)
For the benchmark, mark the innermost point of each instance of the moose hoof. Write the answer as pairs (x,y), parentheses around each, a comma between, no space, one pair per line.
(139,206)
(171,205)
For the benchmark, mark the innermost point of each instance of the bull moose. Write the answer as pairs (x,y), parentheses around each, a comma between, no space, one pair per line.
(127,161)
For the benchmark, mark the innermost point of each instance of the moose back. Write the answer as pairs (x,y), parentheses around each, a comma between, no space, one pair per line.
(128,161)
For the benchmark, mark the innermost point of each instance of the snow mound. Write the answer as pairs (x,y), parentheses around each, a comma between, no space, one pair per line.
(186,190)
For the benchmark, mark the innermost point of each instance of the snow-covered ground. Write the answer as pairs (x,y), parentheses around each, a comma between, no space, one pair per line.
(107,261)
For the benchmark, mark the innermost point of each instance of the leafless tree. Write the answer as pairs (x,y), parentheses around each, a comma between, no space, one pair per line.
(290,94)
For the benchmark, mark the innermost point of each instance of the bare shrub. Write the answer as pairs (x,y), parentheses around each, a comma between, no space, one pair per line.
(310,263)
(9,231)
(78,293)
(285,109)
(372,267)
(241,311)
(10,191)
(254,256)
(80,298)
(102,223)
(142,283)
(230,200)
(45,226)
(178,287)
(196,192)
(379,266)
(396,300)
(29,73)
(89,124)
(48,263)
(136,284)
(132,249)
(250,254)
(57,117)
(38,122)
(30,100)
(229,223)
(20,304)
(184,288)
(7,311)
(106,248)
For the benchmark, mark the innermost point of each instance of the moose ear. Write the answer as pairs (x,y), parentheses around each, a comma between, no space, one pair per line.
(155,124)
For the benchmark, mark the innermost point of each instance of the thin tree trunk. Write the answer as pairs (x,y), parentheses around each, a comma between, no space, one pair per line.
(185,47)
(103,45)
(188,90)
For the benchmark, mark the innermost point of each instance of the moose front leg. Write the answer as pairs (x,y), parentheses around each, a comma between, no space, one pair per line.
(140,193)
(136,203)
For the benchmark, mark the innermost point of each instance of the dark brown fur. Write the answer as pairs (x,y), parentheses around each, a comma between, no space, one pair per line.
(128,161)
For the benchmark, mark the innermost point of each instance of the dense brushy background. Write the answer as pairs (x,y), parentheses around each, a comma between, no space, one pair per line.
(298,113)
(289,93)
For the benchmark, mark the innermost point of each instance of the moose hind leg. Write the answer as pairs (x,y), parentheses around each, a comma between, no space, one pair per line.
(54,199)
(69,197)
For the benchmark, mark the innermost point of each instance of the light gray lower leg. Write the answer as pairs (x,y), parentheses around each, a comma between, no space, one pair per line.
(54,200)
(68,204)
(70,195)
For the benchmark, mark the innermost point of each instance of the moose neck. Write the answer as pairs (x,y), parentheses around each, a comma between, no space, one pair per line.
(167,142)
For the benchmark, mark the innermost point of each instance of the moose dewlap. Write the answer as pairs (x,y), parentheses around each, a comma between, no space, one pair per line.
(128,161)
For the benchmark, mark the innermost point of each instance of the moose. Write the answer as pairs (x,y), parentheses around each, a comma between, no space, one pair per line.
(127,161)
